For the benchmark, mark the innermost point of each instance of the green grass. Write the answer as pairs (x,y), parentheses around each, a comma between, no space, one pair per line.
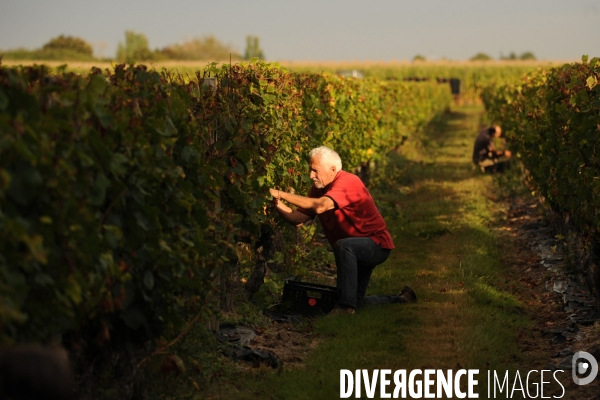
(439,209)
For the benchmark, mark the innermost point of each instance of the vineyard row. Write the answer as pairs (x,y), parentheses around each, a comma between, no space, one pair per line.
(124,194)
(552,120)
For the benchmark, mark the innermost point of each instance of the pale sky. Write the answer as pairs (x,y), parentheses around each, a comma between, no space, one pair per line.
(321,30)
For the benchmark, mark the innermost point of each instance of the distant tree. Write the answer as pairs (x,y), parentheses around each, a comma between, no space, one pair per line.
(480,57)
(419,57)
(253,49)
(20,53)
(135,48)
(205,48)
(60,48)
(69,43)
(511,57)
(528,55)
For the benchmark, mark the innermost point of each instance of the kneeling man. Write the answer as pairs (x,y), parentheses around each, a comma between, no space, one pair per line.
(352,224)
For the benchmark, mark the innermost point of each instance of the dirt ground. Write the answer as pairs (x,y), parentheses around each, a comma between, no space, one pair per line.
(527,278)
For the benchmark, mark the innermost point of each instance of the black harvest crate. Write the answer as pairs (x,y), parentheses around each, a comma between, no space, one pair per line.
(308,298)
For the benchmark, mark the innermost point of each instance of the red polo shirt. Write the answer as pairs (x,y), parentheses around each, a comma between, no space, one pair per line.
(355,213)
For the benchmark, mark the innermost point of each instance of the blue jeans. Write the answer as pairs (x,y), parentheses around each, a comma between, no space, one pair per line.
(355,259)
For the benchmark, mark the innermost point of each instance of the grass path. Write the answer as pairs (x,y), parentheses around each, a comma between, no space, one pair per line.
(440,212)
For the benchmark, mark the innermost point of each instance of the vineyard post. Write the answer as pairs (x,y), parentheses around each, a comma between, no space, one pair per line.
(213,296)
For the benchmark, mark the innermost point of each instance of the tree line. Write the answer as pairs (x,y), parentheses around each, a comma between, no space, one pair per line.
(136,47)
(526,56)
(481,56)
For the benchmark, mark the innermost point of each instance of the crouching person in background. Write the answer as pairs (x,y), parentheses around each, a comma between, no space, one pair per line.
(485,155)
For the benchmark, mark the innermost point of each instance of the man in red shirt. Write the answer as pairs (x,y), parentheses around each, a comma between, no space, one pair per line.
(352,224)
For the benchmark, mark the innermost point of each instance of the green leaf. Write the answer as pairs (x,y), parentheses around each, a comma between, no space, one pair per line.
(85,159)
(228,125)
(584,58)
(149,280)
(118,164)
(43,279)
(277,258)
(591,82)
(227,145)
(73,289)
(187,154)
(169,129)
(104,117)
(244,155)
(5,179)
(112,236)
(35,244)
(98,190)
(133,318)
(24,184)
(239,169)
(97,85)
(141,220)
(163,245)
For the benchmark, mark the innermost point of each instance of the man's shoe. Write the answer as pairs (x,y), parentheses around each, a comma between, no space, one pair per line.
(341,310)
(408,295)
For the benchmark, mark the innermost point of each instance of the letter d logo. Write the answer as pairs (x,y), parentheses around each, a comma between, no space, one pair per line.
(582,367)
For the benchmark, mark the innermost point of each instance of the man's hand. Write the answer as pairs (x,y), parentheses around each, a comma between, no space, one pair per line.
(293,217)
(507,154)
(275,193)
(318,205)
(276,203)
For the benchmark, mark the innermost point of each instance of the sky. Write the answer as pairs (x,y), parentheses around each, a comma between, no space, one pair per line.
(320,30)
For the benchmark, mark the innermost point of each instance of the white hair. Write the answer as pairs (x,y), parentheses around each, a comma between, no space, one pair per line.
(328,156)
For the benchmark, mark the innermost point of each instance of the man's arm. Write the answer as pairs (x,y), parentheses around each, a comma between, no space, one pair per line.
(293,217)
(318,205)
(498,153)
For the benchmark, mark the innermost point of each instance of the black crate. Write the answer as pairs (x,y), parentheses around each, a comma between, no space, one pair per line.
(308,298)
(455,86)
